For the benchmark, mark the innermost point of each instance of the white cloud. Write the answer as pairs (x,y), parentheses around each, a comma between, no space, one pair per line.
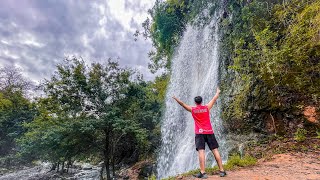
(32,42)
(36,35)
(26,38)
(5,42)
(8,54)
(124,15)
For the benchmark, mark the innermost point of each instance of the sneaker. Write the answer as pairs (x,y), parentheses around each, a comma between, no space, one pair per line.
(222,173)
(201,176)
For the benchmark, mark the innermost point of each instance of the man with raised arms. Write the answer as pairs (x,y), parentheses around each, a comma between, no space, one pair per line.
(204,132)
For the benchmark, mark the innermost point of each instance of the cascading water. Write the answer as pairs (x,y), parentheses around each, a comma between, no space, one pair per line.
(195,68)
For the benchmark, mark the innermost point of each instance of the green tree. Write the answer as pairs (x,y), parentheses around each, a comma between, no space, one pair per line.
(15,108)
(91,111)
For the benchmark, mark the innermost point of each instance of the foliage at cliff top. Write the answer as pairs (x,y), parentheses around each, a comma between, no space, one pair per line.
(167,24)
(164,29)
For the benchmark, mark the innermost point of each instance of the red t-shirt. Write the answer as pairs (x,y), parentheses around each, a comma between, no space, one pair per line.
(201,118)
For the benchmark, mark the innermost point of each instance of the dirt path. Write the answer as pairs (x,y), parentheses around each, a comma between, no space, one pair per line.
(289,166)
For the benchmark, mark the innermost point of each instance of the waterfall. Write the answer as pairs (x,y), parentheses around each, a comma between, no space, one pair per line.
(195,67)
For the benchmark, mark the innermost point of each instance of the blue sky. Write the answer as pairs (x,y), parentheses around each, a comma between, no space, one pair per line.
(35,35)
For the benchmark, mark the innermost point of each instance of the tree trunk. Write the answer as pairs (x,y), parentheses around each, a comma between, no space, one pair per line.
(106,162)
(112,145)
(58,167)
(107,154)
(274,124)
(62,168)
(101,172)
(54,166)
(68,165)
(113,168)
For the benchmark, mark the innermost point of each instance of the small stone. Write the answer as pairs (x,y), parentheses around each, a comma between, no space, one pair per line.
(101,164)
(179,177)
(55,176)
(87,167)
(274,165)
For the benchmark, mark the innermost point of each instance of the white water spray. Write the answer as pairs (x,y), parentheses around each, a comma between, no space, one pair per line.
(195,69)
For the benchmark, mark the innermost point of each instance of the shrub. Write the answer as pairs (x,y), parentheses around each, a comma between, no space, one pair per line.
(300,135)
(152,177)
(236,160)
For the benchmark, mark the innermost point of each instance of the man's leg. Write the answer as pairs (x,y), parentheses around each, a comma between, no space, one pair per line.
(218,158)
(200,147)
(202,159)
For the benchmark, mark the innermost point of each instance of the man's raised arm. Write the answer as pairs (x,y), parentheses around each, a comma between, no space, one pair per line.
(187,107)
(213,100)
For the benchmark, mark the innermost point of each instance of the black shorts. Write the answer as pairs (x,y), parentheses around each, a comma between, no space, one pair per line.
(210,139)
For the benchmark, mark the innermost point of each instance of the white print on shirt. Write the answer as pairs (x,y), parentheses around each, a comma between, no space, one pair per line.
(203,130)
(200,110)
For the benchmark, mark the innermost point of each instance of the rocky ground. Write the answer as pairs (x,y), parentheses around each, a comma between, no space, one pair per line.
(284,159)
(42,172)
(287,166)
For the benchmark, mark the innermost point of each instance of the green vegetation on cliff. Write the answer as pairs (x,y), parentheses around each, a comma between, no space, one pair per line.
(165,29)
(273,51)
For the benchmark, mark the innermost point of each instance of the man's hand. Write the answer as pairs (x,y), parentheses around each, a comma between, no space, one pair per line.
(187,107)
(210,104)
(218,90)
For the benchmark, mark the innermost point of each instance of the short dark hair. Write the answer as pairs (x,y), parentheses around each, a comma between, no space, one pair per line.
(198,100)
